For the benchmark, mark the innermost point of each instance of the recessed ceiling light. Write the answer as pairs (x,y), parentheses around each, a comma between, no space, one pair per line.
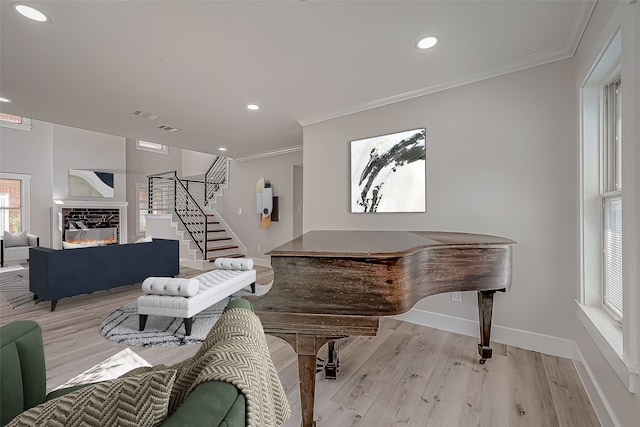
(30,12)
(253,107)
(427,42)
(4,99)
(222,148)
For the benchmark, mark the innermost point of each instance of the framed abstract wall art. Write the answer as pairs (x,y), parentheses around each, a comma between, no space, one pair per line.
(90,183)
(388,173)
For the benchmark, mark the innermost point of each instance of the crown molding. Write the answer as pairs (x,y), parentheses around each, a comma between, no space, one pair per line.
(496,70)
(270,153)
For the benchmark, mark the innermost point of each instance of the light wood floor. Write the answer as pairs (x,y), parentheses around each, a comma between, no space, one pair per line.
(407,375)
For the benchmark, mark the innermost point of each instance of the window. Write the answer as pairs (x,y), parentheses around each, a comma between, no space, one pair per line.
(15,122)
(152,146)
(611,197)
(14,202)
(142,192)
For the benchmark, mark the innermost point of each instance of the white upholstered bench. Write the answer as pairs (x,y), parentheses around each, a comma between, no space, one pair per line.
(181,297)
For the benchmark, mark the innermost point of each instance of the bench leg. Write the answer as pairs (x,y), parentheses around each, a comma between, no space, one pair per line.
(187,326)
(53,304)
(142,321)
(253,287)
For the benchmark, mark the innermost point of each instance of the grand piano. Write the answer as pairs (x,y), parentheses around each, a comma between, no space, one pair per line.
(332,284)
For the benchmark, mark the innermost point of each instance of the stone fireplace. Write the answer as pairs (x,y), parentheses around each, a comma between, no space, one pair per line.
(90,221)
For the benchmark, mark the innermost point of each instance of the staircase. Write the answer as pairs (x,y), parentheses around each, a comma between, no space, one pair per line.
(183,211)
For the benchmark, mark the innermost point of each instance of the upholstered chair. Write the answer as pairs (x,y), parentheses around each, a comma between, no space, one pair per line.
(14,247)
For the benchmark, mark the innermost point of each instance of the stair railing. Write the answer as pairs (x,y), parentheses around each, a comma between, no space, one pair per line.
(168,194)
(215,177)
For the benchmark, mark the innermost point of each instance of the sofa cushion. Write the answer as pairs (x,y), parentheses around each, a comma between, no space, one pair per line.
(140,400)
(15,240)
(233,264)
(11,390)
(22,368)
(170,286)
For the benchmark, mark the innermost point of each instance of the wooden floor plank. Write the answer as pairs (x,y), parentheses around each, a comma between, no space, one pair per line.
(569,397)
(531,403)
(407,375)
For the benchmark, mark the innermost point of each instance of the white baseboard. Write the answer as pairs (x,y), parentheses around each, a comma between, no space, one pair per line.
(197,264)
(596,395)
(516,337)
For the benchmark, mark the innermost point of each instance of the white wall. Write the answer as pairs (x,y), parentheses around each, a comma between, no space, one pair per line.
(83,149)
(501,159)
(623,406)
(241,195)
(47,152)
(139,165)
(31,153)
(195,163)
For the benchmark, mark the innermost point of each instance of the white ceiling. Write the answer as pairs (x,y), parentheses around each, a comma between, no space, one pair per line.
(197,64)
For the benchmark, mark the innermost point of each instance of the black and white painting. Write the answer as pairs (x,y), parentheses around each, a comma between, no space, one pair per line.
(90,183)
(388,173)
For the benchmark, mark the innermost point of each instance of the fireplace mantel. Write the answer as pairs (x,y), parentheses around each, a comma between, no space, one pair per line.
(89,204)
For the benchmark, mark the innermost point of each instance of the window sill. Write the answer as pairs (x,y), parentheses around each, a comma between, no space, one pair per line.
(607,335)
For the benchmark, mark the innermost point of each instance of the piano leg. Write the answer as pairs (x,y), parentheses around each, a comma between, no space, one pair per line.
(307,374)
(307,346)
(485,313)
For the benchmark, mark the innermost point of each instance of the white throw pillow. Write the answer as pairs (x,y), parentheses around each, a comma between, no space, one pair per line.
(69,245)
(15,240)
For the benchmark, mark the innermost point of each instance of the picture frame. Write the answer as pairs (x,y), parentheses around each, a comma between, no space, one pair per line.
(388,173)
(86,183)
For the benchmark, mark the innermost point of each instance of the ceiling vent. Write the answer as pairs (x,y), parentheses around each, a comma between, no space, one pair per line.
(168,128)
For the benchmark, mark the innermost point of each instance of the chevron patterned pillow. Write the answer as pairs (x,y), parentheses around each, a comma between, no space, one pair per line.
(135,401)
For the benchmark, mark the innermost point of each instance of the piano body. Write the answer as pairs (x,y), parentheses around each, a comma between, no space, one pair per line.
(332,284)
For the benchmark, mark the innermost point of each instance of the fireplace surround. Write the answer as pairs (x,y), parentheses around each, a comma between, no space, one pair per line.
(89,225)
(89,221)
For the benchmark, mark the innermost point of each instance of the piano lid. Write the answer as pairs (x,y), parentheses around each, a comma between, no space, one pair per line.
(378,244)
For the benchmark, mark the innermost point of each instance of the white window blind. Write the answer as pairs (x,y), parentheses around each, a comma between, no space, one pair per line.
(612,257)
(611,156)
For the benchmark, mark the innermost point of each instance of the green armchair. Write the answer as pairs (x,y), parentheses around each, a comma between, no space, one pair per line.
(23,383)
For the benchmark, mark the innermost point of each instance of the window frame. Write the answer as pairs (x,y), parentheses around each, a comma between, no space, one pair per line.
(611,185)
(140,146)
(24,125)
(141,210)
(25,196)
(617,343)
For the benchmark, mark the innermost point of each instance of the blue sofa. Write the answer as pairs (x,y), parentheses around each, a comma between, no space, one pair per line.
(62,273)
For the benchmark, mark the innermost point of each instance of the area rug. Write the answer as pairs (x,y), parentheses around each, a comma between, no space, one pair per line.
(122,326)
(115,366)
(14,287)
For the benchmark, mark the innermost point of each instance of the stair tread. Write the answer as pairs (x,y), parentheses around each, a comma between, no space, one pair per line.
(208,223)
(215,239)
(227,256)
(222,248)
